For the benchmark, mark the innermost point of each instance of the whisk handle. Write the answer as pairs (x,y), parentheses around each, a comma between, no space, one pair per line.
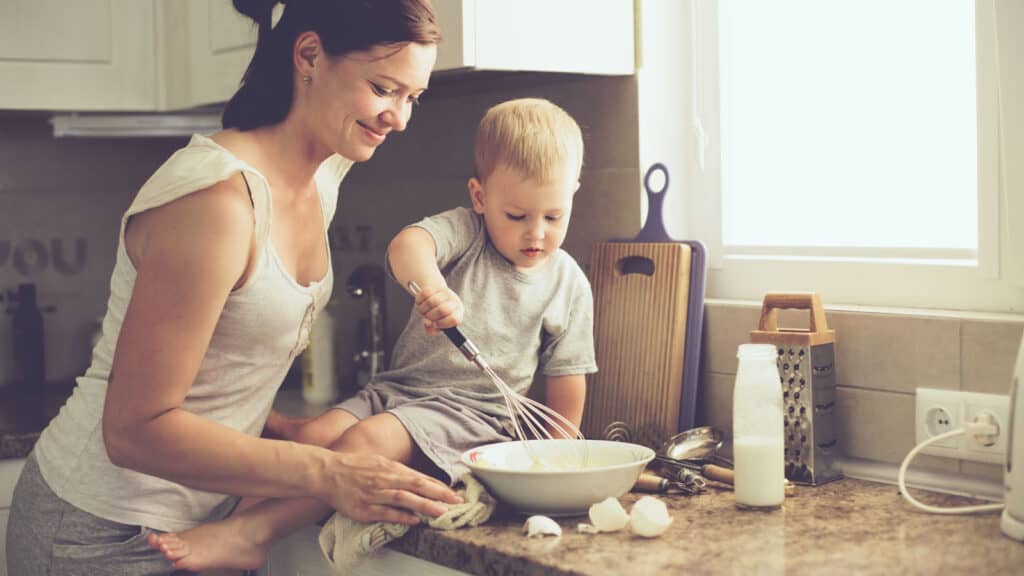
(466,346)
(455,335)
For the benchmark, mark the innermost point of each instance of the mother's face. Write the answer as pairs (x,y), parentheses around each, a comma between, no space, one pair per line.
(356,100)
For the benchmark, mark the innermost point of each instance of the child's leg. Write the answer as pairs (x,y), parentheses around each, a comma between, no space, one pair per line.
(322,430)
(241,540)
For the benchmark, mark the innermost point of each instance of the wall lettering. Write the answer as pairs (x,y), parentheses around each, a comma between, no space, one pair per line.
(31,256)
(343,239)
(61,263)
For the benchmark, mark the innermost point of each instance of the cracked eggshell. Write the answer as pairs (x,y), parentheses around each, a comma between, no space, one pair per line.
(649,517)
(540,526)
(608,515)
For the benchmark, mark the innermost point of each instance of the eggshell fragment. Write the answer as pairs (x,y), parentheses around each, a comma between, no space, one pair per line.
(608,515)
(540,526)
(586,529)
(649,517)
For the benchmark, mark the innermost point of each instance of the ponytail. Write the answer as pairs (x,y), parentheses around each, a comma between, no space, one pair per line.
(266,91)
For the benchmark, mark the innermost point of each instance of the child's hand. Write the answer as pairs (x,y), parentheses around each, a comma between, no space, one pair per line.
(439,307)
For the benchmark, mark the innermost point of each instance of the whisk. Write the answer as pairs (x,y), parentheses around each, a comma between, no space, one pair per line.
(530,418)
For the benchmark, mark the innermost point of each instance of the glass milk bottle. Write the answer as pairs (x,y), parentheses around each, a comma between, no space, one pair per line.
(757,431)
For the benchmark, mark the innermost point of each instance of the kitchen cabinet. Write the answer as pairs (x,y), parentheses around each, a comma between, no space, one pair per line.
(299,553)
(583,36)
(159,55)
(528,35)
(204,48)
(81,55)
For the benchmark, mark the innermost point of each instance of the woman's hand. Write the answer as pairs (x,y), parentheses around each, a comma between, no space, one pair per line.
(440,308)
(370,488)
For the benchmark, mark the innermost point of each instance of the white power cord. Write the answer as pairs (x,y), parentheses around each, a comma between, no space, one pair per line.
(974,428)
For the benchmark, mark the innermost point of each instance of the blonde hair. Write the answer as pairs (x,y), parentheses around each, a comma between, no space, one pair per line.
(530,135)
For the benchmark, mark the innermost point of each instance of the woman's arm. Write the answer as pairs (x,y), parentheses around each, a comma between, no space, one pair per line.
(566,395)
(189,255)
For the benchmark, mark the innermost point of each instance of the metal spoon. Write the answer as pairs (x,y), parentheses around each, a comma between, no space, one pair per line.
(690,449)
(693,444)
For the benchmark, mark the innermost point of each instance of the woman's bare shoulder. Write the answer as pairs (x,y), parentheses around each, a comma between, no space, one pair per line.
(214,223)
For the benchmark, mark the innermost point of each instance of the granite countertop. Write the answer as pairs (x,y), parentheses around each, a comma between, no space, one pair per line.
(17,445)
(847,526)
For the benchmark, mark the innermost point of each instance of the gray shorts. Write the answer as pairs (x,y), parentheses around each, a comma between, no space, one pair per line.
(46,536)
(441,428)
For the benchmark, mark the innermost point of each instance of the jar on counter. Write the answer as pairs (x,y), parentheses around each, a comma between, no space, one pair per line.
(757,429)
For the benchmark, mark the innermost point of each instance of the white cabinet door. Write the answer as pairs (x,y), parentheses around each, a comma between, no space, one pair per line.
(81,55)
(205,48)
(581,36)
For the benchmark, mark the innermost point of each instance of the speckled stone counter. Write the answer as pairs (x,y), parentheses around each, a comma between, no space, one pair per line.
(848,526)
(14,445)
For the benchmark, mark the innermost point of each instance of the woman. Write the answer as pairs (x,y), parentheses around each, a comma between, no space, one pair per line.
(222,265)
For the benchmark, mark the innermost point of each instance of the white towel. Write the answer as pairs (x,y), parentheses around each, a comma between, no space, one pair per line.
(345,541)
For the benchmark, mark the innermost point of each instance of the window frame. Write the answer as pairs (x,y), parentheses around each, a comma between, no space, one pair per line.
(964,282)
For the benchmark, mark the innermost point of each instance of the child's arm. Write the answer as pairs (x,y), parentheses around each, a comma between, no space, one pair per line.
(565,395)
(412,256)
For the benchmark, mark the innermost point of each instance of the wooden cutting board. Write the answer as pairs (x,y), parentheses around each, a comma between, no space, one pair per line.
(641,294)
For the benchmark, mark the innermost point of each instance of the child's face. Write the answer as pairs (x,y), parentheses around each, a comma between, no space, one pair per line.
(526,220)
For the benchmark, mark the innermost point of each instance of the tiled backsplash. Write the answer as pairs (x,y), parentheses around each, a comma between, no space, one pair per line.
(881,358)
(60,208)
(61,200)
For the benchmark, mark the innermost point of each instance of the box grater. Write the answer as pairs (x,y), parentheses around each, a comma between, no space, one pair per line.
(806,360)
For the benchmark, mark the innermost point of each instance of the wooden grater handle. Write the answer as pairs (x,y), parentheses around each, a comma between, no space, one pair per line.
(792,300)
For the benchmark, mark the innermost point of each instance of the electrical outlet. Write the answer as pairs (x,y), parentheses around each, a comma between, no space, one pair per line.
(939,411)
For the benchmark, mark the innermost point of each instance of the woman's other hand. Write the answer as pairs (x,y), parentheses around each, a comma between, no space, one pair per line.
(371,488)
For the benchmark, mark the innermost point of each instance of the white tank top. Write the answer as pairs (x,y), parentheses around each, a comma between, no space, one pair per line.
(265,324)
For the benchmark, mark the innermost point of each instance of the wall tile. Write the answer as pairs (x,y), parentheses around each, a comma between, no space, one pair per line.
(714,401)
(725,328)
(988,354)
(983,470)
(61,203)
(879,426)
(896,353)
(439,138)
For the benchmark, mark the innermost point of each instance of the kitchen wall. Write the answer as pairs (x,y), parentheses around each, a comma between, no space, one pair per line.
(60,207)
(882,356)
(425,171)
(61,200)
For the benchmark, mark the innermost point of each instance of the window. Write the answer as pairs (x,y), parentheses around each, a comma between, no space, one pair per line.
(852,148)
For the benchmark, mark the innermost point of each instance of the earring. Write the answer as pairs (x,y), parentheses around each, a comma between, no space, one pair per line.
(307,79)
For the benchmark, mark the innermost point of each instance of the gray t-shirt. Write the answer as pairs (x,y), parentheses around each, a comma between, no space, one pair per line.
(521,322)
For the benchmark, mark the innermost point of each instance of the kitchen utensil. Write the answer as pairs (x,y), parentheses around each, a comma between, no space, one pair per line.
(648,482)
(648,311)
(1012,522)
(694,444)
(691,450)
(558,487)
(806,365)
(522,411)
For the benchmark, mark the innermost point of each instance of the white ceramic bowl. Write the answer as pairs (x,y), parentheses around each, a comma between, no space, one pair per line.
(557,477)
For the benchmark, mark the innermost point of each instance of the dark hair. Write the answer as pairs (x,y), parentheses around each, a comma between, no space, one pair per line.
(344,26)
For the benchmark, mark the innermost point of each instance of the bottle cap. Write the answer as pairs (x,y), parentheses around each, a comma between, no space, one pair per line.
(756,351)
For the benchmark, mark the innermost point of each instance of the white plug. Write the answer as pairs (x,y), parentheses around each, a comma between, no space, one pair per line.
(984,429)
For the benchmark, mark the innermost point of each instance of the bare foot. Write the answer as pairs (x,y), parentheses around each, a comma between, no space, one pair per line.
(230,543)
